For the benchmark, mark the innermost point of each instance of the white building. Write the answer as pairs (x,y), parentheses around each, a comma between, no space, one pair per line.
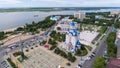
(99,17)
(80,15)
(72,38)
(87,37)
(55,18)
(64,25)
(117,37)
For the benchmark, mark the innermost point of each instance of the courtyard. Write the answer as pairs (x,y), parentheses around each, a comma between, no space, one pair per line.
(42,58)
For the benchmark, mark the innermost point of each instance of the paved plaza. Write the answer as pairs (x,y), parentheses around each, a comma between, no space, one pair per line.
(41,58)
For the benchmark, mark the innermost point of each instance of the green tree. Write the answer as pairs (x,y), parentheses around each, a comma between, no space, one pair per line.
(99,63)
(111,48)
(2,35)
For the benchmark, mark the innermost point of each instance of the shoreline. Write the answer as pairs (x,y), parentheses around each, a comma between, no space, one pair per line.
(10,29)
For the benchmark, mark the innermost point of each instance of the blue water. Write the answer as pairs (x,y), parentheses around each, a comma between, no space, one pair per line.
(16,19)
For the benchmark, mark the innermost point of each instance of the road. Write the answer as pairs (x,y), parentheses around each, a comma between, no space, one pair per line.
(26,43)
(99,50)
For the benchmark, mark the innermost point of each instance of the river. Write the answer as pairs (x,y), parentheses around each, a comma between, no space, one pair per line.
(16,19)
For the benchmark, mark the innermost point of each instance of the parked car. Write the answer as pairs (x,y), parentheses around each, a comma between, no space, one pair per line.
(105,55)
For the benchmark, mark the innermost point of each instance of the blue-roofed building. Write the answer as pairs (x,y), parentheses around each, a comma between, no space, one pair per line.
(55,18)
(71,41)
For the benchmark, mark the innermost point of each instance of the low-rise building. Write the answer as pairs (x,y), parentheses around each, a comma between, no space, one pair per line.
(113,63)
(87,37)
(99,17)
(117,37)
(55,18)
(114,13)
(117,43)
(63,25)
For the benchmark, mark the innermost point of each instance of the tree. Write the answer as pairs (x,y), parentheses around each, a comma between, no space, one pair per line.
(19,29)
(58,28)
(2,35)
(78,52)
(111,48)
(99,63)
(63,54)
(57,51)
(71,57)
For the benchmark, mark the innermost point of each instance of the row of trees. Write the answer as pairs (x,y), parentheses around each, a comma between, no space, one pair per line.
(68,55)
(111,49)
(101,22)
(33,28)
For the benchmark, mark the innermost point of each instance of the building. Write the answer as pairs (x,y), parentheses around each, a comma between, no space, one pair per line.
(80,15)
(63,25)
(113,63)
(117,37)
(117,43)
(55,18)
(99,17)
(72,42)
(114,13)
(87,37)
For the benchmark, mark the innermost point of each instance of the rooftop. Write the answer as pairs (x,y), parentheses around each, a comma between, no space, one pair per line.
(113,63)
(86,37)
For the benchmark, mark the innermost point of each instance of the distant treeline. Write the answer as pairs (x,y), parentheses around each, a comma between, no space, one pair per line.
(53,9)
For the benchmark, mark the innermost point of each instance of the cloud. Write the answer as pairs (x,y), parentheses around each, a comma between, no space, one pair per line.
(59,3)
(10,1)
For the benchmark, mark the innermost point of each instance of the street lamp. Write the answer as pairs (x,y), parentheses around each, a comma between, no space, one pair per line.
(22,53)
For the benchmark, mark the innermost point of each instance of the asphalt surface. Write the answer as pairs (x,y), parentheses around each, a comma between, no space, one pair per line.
(100,49)
(26,43)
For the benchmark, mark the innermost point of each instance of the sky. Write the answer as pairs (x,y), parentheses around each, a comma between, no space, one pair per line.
(59,3)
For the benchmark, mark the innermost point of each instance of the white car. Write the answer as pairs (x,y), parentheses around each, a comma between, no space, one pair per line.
(87,58)
(78,66)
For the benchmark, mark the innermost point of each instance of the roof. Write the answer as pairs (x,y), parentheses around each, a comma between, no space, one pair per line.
(78,43)
(73,32)
(73,23)
(118,49)
(113,63)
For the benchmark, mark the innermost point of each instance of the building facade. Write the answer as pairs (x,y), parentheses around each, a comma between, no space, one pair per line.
(63,24)
(80,15)
(117,38)
(55,18)
(72,42)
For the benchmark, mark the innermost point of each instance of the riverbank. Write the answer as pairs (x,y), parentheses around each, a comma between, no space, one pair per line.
(10,29)
(18,37)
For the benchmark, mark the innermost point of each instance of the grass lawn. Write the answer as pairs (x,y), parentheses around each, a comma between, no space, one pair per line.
(25,58)
(17,53)
(103,29)
(11,63)
(89,48)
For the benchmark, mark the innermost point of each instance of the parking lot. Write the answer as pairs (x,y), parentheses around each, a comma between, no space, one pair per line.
(28,43)
(4,64)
